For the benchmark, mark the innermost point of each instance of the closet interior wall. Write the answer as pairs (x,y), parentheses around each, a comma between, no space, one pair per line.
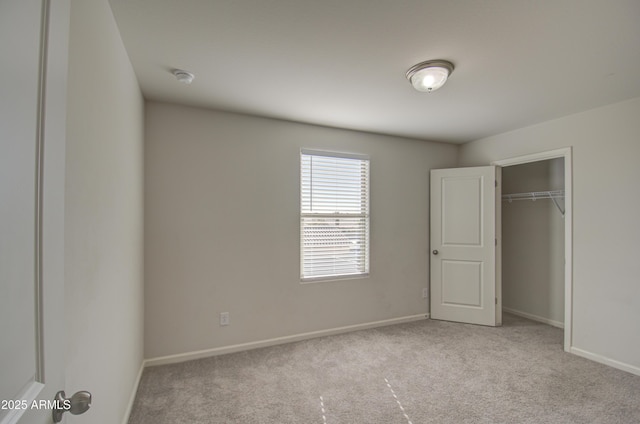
(533,243)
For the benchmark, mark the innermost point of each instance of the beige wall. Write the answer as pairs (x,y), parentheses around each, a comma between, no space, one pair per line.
(222,229)
(533,243)
(103,216)
(606,232)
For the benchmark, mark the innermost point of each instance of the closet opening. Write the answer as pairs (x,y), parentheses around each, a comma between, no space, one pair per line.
(536,238)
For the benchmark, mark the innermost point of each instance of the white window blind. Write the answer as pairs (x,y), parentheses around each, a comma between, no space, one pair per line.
(334,215)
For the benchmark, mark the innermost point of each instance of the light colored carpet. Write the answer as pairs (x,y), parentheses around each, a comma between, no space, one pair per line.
(420,372)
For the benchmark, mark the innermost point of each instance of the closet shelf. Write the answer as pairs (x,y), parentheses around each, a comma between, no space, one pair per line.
(535,195)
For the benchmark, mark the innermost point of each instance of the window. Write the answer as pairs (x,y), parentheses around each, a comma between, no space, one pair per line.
(334,215)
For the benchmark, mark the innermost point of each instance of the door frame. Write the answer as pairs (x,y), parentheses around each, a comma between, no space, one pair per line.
(565,153)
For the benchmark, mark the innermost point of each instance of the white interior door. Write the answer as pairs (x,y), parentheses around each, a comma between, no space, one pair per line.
(465,278)
(32,207)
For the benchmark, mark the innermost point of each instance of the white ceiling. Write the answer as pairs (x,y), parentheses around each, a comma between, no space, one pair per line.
(342,63)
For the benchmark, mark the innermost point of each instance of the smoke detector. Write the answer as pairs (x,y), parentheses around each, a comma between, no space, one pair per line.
(183,76)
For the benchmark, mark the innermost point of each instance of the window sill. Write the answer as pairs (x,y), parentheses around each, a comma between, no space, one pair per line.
(333,278)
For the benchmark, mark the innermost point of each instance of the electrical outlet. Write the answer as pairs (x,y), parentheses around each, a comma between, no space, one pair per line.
(425,293)
(224,318)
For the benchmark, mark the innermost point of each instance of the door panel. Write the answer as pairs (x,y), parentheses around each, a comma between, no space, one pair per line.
(461,199)
(464,287)
(464,281)
(32,206)
(19,32)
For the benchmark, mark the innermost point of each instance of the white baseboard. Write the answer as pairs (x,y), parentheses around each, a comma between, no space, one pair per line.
(189,356)
(132,397)
(606,361)
(534,317)
(577,351)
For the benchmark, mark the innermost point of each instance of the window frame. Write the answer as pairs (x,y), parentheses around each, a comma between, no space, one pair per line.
(364,213)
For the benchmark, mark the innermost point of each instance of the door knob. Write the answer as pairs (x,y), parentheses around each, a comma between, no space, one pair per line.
(435,252)
(77,404)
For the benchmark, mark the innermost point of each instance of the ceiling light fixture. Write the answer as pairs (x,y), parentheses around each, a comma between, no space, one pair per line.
(183,76)
(430,75)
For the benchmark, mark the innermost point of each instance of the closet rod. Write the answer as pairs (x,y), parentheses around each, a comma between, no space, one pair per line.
(535,195)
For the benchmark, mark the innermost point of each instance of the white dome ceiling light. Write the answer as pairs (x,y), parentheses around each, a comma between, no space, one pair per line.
(430,75)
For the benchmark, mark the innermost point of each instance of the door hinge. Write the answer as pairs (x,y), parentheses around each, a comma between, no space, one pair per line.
(496,300)
(496,241)
(496,181)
